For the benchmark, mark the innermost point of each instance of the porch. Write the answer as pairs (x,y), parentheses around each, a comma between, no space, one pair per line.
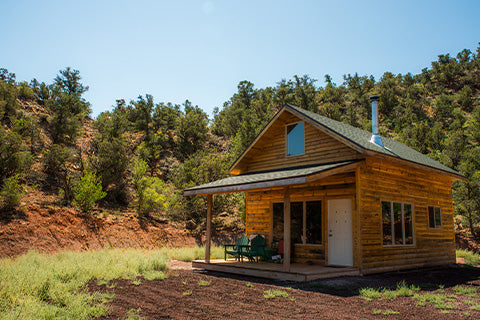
(292,205)
(296,272)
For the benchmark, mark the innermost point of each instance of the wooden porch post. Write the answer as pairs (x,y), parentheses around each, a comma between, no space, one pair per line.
(209,227)
(286,230)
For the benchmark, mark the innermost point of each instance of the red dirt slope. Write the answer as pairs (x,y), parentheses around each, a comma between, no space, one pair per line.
(49,228)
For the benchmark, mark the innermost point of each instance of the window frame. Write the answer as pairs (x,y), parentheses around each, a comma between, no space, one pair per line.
(286,139)
(304,220)
(434,217)
(392,224)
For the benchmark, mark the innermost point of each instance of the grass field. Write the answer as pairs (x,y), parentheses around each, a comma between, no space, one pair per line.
(37,286)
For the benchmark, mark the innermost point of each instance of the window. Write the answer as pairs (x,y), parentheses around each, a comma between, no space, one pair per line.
(296,221)
(277,232)
(295,139)
(314,222)
(397,223)
(306,222)
(434,217)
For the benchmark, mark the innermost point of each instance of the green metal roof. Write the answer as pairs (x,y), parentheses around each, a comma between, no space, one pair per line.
(264,179)
(362,139)
(298,175)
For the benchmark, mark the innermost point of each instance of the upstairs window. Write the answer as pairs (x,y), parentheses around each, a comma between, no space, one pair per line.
(434,217)
(397,223)
(295,139)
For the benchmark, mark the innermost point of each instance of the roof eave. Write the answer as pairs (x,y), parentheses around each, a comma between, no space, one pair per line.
(273,183)
(246,186)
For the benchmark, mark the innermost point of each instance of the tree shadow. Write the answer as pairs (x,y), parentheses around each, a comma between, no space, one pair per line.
(92,223)
(428,279)
(150,221)
(9,215)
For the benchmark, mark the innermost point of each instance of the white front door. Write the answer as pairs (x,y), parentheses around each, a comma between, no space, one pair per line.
(340,250)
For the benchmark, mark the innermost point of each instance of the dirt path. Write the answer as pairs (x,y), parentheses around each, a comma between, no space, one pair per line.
(222,296)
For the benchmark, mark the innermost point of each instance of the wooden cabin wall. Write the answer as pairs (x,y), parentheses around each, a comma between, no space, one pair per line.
(269,152)
(259,209)
(383,180)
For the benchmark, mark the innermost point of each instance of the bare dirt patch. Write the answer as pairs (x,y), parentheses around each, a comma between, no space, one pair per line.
(195,294)
(46,227)
(179,265)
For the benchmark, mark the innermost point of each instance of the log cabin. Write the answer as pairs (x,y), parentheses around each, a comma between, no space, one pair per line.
(339,196)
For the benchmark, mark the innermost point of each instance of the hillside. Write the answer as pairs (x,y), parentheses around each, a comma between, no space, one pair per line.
(117,180)
(40,224)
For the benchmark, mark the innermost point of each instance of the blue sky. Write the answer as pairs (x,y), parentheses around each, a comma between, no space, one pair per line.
(201,50)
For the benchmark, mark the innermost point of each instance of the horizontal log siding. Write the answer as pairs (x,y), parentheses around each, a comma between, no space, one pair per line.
(259,209)
(383,180)
(309,254)
(269,152)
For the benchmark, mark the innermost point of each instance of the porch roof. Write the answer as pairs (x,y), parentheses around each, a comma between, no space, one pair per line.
(273,178)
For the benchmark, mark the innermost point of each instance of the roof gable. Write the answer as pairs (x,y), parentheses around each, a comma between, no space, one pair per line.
(356,139)
(268,151)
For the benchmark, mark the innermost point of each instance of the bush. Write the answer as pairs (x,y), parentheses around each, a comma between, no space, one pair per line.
(60,164)
(13,156)
(11,193)
(25,92)
(471,258)
(88,191)
(150,190)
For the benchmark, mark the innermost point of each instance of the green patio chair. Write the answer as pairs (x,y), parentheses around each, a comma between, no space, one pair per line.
(255,250)
(235,249)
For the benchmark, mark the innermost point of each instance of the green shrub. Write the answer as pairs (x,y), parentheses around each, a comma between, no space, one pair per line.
(88,191)
(439,301)
(470,291)
(403,290)
(60,163)
(187,293)
(471,258)
(11,193)
(14,157)
(150,190)
(134,314)
(369,294)
(25,92)
(272,293)
(204,283)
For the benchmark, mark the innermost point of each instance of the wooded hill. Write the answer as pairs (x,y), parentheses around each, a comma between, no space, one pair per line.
(143,153)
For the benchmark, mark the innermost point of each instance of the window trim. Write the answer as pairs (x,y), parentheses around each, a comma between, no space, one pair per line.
(392,245)
(434,218)
(286,139)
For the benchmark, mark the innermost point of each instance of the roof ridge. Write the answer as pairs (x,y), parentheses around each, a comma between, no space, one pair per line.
(361,138)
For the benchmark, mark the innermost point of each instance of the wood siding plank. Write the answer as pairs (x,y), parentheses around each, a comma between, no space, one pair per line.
(381,180)
(269,152)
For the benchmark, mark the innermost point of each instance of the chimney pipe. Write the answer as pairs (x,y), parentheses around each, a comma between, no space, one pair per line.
(376,139)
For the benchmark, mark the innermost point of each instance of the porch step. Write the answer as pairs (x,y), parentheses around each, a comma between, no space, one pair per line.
(346,272)
(298,273)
